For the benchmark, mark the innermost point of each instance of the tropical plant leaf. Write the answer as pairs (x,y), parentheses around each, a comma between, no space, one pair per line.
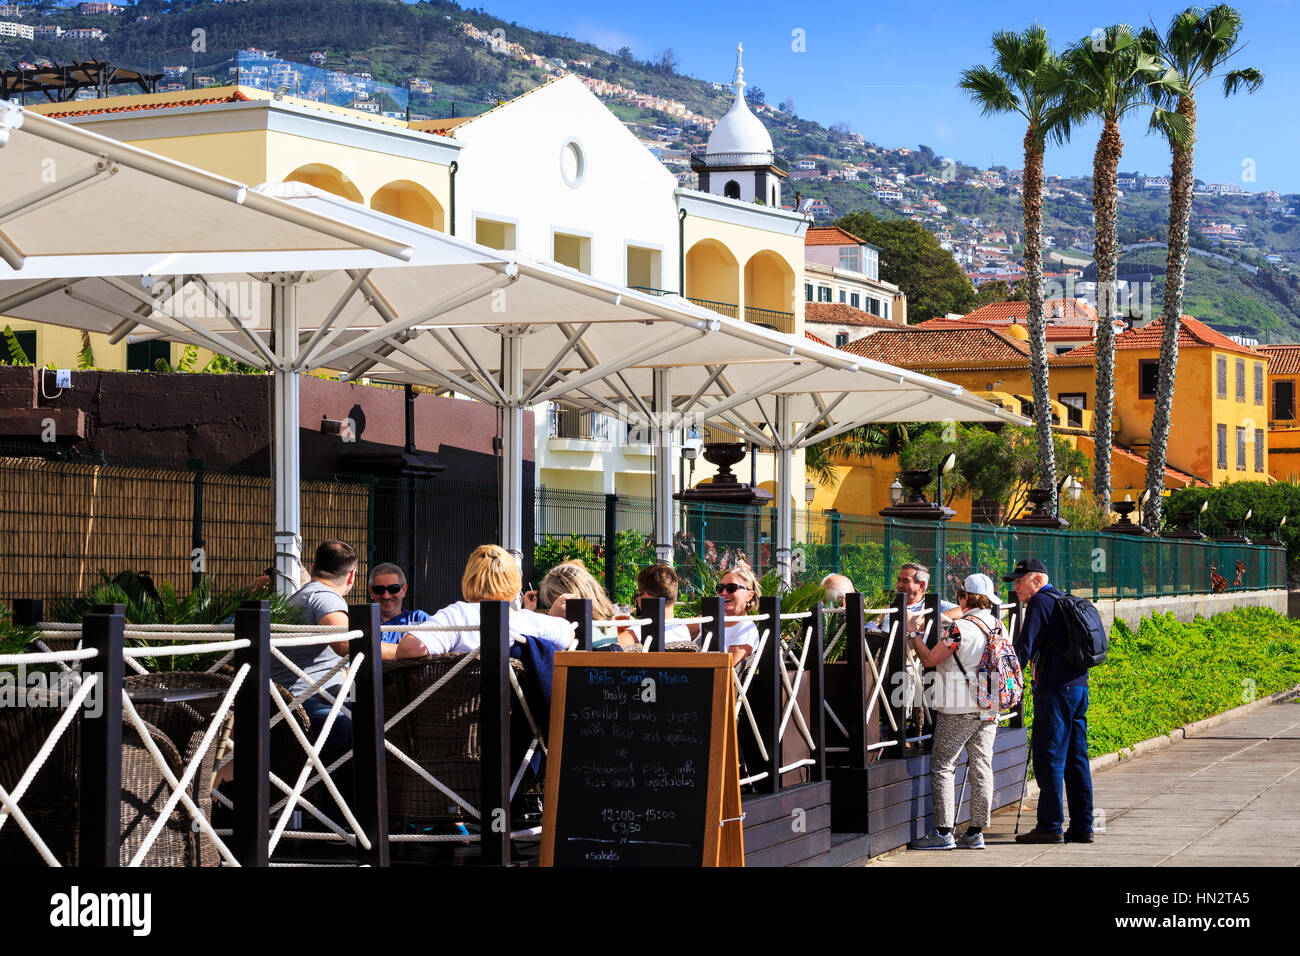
(16,354)
(86,357)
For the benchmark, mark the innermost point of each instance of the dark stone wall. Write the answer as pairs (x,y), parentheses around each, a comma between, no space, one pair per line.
(225,420)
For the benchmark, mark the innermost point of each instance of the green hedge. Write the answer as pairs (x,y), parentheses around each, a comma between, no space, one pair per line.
(1170,674)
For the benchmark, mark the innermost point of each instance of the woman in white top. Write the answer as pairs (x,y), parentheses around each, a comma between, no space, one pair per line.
(491,574)
(740,593)
(959,720)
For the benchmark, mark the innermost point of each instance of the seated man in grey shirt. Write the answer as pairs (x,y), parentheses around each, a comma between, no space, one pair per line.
(322,601)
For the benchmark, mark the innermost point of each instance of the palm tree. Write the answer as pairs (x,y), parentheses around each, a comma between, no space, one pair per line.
(862,443)
(1197,44)
(1026,78)
(1110,75)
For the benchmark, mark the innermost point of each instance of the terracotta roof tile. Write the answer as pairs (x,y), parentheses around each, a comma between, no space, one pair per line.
(830,236)
(953,348)
(836,313)
(1192,333)
(1002,313)
(87,107)
(814,338)
(1282,359)
(1059,333)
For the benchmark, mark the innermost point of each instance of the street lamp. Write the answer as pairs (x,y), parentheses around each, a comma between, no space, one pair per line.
(1142,503)
(945,466)
(809,492)
(1204,505)
(895,492)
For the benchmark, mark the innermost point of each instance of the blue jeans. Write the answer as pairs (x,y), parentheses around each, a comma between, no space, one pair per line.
(1060,745)
(337,744)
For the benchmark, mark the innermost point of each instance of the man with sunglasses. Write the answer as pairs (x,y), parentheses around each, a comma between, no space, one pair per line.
(388,587)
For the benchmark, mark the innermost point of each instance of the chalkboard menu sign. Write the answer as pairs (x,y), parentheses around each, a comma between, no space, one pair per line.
(642,767)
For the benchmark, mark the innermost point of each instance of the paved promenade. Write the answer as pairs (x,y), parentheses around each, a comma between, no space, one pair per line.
(1228,797)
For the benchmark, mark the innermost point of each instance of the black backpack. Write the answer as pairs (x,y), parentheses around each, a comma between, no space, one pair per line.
(1085,640)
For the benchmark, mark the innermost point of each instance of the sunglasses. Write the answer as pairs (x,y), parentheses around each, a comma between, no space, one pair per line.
(731,588)
(380,589)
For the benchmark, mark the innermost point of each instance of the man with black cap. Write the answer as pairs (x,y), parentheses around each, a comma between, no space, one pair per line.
(1060,730)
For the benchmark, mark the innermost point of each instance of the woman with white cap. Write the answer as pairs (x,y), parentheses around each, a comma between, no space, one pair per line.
(959,720)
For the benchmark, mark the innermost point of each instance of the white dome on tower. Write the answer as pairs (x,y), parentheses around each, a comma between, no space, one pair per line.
(739,138)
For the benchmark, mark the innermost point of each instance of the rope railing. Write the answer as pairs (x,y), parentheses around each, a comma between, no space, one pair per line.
(9,799)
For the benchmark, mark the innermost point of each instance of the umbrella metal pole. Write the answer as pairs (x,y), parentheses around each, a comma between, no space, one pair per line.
(287,472)
(512,447)
(662,432)
(784,486)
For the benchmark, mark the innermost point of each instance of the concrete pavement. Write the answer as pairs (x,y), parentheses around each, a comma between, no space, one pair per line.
(1227,797)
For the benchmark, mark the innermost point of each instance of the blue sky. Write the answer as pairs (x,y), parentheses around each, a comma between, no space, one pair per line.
(890,69)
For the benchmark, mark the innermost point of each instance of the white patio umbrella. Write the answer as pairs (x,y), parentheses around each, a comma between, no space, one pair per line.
(817,386)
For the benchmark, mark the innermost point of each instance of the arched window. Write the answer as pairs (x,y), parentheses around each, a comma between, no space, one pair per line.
(774,195)
(731,190)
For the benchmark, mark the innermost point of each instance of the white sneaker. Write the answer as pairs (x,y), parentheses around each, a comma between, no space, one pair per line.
(934,840)
(971,841)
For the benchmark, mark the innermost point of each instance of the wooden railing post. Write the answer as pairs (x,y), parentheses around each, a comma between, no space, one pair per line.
(715,608)
(251,787)
(579,613)
(100,793)
(653,609)
(370,780)
(859,721)
(817,694)
(27,612)
(494,731)
(765,692)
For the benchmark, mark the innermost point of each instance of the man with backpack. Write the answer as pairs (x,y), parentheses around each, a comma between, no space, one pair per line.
(1055,633)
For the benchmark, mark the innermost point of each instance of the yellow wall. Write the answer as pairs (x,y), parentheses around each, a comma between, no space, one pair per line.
(710,271)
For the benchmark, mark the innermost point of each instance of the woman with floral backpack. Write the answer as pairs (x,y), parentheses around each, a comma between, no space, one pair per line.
(972,684)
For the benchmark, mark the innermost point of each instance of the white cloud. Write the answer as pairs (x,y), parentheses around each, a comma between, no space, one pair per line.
(606,37)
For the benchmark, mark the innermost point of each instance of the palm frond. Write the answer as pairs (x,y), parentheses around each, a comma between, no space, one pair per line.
(86,357)
(1249,77)
(16,354)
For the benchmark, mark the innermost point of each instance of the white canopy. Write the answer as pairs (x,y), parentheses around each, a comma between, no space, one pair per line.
(65,191)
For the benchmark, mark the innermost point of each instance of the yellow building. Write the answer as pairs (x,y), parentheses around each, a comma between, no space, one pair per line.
(1218,422)
(1283,424)
(1217,433)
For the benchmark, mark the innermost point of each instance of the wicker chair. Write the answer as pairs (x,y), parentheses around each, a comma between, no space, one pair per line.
(144,793)
(441,736)
(50,803)
(687,647)
(185,723)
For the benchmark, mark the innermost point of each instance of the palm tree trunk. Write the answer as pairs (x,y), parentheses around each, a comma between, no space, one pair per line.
(1180,217)
(1105,170)
(1032,202)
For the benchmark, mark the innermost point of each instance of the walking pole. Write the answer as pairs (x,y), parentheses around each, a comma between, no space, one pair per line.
(962,796)
(1024,785)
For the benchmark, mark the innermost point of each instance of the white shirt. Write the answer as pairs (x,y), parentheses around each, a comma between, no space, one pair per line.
(952,691)
(523,623)
(741,634)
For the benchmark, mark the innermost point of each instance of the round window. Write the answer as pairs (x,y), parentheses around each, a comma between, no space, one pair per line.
(573,163)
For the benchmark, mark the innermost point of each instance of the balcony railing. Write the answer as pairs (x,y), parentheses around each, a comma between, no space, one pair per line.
(725,308)
(780,321)
(650,291)
(577,424)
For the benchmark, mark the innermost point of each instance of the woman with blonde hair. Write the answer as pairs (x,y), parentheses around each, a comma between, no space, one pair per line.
(740,591)
(491,574)
(571,579)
